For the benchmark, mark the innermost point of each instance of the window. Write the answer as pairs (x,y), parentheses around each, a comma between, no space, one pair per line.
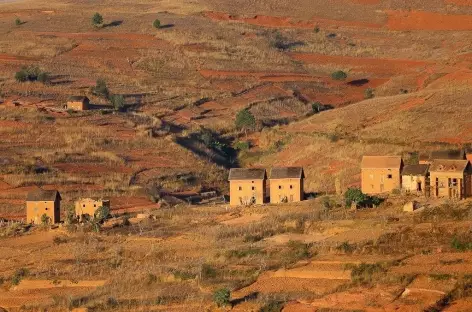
(46,208)
(291,186)
(253,188)
(240,188)
(94,205)
(389,176)
(280,187)
(83,205)
(454,182)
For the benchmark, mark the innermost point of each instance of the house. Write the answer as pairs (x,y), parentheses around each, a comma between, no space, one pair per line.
(450,178)
(78,103)
(88,206)
(42,202)
(286,185)
(415,179)
(247,186)
(380,174)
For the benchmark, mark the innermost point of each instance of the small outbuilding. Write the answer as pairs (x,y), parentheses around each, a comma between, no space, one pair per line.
(78,103)
(286,185)
(381,174)
(88,206)
(415,179)
(247,186)
(42,202)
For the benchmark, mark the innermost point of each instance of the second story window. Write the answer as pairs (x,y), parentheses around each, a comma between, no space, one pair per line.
(240,188)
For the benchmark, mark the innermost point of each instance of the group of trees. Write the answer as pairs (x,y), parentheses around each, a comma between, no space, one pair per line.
(31,73)
(101,89)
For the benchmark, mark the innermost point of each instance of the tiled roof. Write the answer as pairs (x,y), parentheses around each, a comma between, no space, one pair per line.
(449,165)
(381,162)
(247,174)
(415,170)
(287,173)
(43,195)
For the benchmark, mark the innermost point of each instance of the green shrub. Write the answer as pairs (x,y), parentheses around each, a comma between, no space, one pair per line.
(156,24)
(354,195)
(222,297)
(364,273)
(118,102)
(316,29)
(21,76)
(272,306)
(242,145)
(101,89)
(19,275)
(45,220)
(339,75)
(346,248)
(440,277)
(460,245)
(31,73)
(97,19)
(18,22)
(369,93)
(102,213)
(245,120)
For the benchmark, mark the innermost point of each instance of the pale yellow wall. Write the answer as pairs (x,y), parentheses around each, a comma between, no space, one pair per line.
(376,181)
(441,187)
(76,105)
(87,206)
(410,183)
(241,192)
(35,209)
(291,189)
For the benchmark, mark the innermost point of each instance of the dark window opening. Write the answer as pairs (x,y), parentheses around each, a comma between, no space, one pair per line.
(253,188)
(280,187)
(291,186)
(240,188)
(389,176)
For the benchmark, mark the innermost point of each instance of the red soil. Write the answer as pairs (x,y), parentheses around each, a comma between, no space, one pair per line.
(131,204)
(287,22)
(420,20)
(368,2)
(15,58)
(362,64)
(262,76)
(459,2)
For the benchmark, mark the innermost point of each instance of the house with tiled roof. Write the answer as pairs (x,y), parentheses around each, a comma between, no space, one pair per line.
(247,186)
(286,185)
(381,174)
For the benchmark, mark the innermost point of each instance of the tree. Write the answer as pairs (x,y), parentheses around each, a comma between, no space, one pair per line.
(156,24)
(222,297)
(102,213)
(339,75)
(118,102)
(97,19)
(354,195)
(21,76)
(101,89)
(245,120)
(18,22)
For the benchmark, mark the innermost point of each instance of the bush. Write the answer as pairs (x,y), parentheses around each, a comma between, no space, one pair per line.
(222,297)
(21,76)
(118,102)
(19,275)
(242,145)
(316,29)
(43,77)
(369,93)
(364,272)
(460,245)
(354,195)
(45,220)
(97,19)
(345,247)
(339,75)
(102,213)
(156,24)
(18,22)
(245,120)
(272,306)
(318,107)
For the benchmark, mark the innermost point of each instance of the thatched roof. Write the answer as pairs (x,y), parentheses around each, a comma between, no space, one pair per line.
(247,174)
(43,195)
(449,165)
(415,170)
(381,162)
(287,173)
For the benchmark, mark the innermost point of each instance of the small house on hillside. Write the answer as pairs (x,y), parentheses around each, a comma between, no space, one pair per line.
(78,103)
(286,185)
(88,206)
(381,174)
(247,186)
(450,178)
(42,202)
(415,179)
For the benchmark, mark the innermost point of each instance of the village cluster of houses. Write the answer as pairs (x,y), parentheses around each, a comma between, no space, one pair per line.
(442,174)
(48,203)
(249,185)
